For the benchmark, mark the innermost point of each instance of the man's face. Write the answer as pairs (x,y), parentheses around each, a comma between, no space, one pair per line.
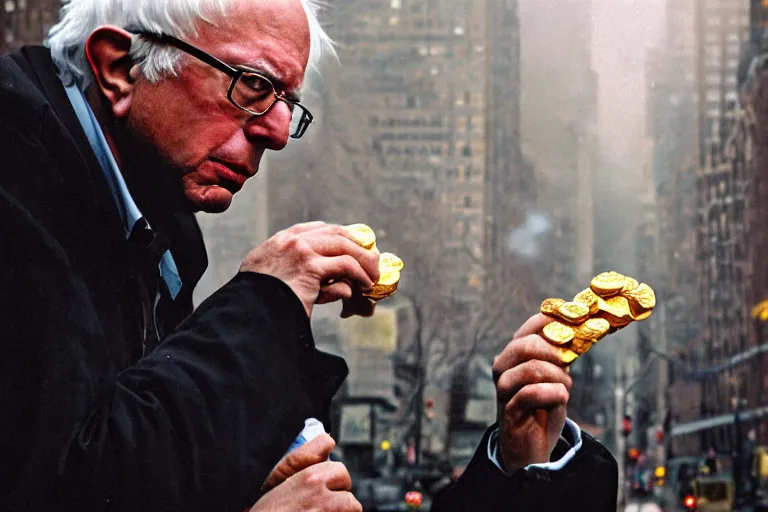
(189,120)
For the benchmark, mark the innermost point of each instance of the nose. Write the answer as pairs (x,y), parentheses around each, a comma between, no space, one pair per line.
(272,129)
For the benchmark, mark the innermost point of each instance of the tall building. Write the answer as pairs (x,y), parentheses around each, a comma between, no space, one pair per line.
(724,368)
(722,28)
(433,89)
(671,130)
(24,22)
(755,89)
(722,33)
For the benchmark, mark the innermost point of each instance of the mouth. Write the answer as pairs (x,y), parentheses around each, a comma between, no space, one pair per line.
(229,176)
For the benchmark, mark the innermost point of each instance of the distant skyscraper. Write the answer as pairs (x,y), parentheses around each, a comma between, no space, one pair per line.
(434,88)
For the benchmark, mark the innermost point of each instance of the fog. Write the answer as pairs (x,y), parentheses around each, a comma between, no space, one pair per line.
(508,152)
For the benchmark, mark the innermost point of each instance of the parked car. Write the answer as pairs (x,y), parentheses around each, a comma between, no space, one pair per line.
(678,483)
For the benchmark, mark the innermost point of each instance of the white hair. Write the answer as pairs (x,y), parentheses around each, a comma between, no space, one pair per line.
(80,18)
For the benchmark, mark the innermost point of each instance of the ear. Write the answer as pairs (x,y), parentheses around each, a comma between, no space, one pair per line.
(108,51)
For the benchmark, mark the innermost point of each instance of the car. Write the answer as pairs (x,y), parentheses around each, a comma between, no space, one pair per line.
(678,483)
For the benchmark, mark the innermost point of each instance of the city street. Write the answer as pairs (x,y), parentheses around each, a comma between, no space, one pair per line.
(642,507)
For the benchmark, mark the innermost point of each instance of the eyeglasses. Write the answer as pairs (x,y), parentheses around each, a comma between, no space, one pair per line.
(249,91)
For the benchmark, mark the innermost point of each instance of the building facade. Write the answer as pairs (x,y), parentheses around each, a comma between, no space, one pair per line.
(721,359)
(24,22)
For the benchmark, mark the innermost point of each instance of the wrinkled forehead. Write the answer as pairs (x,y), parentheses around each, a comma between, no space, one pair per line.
(265,35)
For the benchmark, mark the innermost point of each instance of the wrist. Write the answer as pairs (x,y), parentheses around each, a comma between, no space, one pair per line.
(511,464)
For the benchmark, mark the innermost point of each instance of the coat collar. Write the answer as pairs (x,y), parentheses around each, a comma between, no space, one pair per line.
(180,228)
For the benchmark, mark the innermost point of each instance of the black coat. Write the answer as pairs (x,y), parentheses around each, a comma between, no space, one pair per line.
(589,483)
(89,422)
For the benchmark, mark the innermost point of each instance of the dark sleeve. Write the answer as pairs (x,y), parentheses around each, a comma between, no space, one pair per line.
(195,426)
(588,482)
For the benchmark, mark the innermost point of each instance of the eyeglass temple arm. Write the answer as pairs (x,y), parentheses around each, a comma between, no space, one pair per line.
(195,52)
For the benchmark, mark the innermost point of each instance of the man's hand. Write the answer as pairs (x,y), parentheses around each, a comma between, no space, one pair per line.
(312,452)
(320,487)
(321,263)
(532,388)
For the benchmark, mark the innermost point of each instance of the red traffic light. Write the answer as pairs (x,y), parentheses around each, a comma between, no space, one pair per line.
(660,436)
(429,403)
(633,453)
(689,502)
(626,425)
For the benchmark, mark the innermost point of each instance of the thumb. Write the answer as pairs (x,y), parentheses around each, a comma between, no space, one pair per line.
(312,452)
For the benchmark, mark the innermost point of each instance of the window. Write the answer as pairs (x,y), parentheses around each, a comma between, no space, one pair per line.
(467,201)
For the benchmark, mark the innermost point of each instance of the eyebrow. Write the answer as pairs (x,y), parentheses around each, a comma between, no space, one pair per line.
(262,67)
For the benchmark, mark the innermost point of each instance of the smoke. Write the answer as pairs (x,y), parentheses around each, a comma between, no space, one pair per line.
(527,239)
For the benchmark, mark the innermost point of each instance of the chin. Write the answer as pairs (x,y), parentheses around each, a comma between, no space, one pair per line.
(209,199)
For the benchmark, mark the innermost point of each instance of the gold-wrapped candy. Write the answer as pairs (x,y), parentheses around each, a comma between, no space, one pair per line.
(568,356)
(558,333)
(363,235)
(594,329)
(581,345)
(608,284)
(643,316)
(389,277)
(641,300)
(573,312)
(390,265)
(616,311)
(589,298)
(612,302)
(549,307)
(629,285)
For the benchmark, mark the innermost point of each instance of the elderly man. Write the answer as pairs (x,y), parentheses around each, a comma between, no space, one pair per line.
(117,395)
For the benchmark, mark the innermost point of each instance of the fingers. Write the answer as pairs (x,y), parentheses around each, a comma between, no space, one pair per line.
(322,487)
(331,240)
(334,292)
(313,452)
(530,372)
(520,350)
(305,227)
(333,474)
(344,267)
(533,325)
(538,396)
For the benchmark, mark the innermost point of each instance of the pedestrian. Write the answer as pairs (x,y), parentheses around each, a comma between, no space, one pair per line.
(117,395)
(711,462)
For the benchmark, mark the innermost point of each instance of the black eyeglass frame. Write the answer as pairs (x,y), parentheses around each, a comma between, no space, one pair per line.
(235,74)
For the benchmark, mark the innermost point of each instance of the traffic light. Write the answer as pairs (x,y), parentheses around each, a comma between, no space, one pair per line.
(429,408)
(626,425)
(660,437)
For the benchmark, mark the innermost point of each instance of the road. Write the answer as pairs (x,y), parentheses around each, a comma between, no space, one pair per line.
(642,507)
